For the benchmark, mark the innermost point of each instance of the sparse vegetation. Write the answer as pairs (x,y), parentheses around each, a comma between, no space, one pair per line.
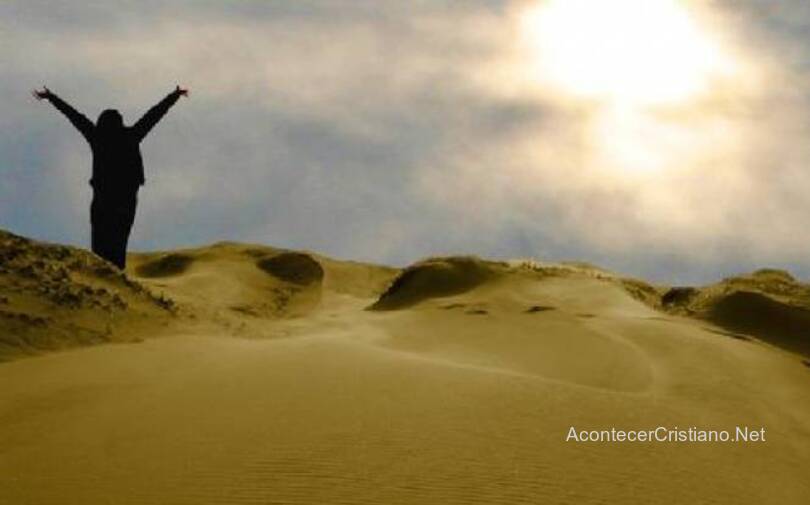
(56,296)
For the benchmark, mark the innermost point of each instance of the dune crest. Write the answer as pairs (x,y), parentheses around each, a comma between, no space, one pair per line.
(293,267)
(165,266)
(436,277)
(56,297)
(49,292)
(768,304)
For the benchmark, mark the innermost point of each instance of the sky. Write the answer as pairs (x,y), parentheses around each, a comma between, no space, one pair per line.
(664,139)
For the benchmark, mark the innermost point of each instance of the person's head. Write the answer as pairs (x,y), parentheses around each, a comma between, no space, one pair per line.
(110,120)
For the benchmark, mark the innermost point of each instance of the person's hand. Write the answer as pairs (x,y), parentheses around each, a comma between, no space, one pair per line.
(181,91)
(43,94)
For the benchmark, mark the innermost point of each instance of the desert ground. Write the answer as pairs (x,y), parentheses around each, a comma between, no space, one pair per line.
(240,373)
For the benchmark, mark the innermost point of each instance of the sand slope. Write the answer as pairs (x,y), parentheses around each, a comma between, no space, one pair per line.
(767,304)
(293,378)
(56,297)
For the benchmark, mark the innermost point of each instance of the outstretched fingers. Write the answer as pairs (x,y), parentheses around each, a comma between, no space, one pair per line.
(39,95)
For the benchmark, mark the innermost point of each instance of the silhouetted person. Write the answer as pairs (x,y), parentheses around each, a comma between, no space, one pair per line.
(117,170)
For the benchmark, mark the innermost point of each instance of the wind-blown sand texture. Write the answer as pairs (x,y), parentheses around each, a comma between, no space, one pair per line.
(247,374)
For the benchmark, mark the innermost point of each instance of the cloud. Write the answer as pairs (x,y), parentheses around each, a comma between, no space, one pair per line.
(388,132)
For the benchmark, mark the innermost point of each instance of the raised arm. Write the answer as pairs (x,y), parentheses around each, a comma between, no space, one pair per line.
(79,120)
(156,113)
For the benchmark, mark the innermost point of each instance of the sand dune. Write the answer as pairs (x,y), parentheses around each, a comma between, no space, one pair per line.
(768,304)
(287,377)
(56,297)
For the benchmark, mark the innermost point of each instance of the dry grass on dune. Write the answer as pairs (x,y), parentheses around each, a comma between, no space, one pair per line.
(55,297)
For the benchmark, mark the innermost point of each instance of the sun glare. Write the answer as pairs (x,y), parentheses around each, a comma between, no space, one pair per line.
(627,59)
(643,51)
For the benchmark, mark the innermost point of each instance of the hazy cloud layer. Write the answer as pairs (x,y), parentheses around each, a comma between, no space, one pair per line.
(389,131)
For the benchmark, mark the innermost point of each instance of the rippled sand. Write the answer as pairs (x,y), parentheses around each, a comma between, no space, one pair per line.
(465,398)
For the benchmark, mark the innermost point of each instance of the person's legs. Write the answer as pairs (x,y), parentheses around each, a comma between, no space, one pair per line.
(101,228)
(111,217)
(124,218)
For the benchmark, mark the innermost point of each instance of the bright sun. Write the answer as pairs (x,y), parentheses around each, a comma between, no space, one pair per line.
(628,59)
(642,51)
